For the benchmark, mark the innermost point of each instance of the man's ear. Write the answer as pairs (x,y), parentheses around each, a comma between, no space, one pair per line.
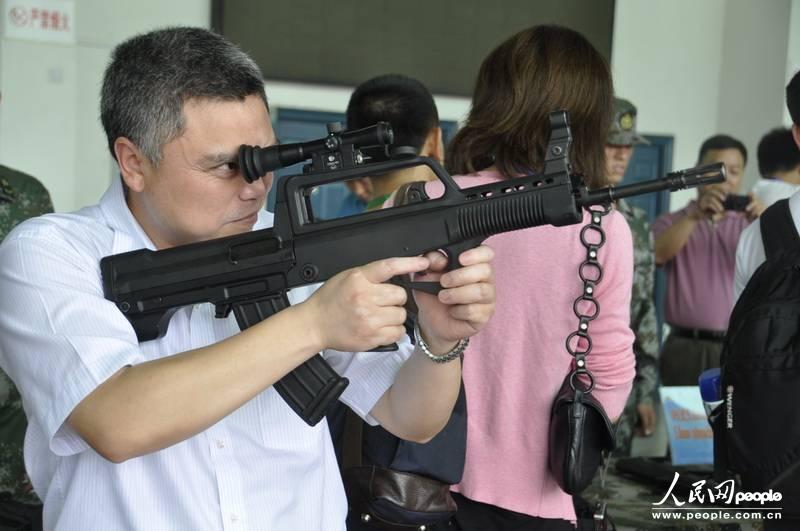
(132,163)
(796,134)
(433,146)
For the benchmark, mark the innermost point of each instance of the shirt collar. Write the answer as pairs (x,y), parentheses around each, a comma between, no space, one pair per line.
(794,202)
(128,234)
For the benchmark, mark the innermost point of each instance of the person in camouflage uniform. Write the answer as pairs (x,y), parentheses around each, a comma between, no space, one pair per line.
(639,414)
(21,197)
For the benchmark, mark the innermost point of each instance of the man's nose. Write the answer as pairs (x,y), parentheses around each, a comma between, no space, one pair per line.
(254,190)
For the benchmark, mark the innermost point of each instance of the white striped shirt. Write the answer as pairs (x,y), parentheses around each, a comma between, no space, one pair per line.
(261,467)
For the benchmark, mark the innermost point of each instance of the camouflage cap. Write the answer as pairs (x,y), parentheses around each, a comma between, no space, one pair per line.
(623,127)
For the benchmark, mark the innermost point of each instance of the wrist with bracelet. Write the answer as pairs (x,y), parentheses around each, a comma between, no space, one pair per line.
(456,352)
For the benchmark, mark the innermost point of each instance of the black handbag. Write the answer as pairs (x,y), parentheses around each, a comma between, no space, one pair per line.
(580,430)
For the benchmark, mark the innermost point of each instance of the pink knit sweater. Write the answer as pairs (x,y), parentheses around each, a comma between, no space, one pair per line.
(516,364)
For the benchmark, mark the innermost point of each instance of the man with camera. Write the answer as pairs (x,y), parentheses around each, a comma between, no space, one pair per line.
(187,431)
(697,245)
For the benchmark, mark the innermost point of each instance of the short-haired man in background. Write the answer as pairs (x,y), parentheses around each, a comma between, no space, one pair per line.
(409,107)
(779,166)
(750,252)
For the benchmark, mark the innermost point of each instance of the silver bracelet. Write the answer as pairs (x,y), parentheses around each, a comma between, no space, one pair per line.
(456,352)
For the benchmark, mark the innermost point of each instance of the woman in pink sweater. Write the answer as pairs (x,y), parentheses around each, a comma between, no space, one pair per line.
(515,366)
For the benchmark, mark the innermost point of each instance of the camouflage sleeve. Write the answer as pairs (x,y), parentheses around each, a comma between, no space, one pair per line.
(643,314)
(30,199)
(34,201)
(13,479)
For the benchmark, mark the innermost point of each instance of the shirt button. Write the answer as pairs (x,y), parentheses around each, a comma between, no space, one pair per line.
(220,443)
(234,518)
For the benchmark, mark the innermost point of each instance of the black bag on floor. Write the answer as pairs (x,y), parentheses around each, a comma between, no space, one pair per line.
(757,429)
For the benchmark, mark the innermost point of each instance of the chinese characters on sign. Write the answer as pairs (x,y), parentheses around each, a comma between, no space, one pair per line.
(39,21)
(691,440)
(43,18)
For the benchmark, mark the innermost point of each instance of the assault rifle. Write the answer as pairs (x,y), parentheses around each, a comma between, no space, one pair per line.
(251,273)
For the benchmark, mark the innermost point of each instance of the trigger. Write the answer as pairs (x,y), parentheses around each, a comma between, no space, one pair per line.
(428,287)
(455,250)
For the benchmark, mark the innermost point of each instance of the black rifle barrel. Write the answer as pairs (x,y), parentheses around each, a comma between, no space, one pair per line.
(679,180)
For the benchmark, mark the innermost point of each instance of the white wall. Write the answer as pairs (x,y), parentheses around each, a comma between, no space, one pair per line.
(38,122)
(695,69)
(49,114)
(752,82)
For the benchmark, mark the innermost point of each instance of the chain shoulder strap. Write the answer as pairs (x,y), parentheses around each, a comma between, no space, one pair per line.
(586,306)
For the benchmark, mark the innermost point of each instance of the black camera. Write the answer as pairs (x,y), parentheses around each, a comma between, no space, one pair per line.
(736,202)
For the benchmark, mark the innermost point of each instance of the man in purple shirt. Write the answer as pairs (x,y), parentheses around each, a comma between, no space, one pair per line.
(697,245)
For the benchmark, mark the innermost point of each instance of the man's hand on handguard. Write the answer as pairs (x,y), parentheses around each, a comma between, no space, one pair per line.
(465,303)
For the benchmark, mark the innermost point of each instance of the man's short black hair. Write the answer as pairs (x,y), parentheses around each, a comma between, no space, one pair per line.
(793,98)
(400,100)
(777,152)
(718,142)
(152,75)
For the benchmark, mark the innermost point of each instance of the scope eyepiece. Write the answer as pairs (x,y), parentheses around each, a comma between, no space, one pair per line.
(256,161)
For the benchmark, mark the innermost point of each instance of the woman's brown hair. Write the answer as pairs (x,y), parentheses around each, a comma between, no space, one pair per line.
(535,72)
